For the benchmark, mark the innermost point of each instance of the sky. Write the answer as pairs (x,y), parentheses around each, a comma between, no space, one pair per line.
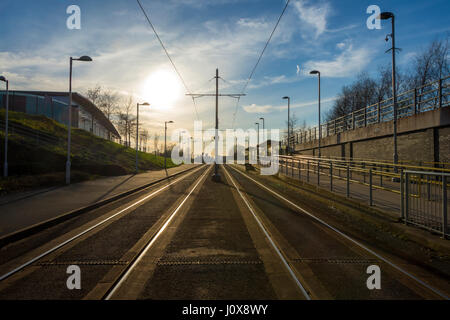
(202,35)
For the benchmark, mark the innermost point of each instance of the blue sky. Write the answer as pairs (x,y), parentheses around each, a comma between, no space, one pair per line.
(204,34)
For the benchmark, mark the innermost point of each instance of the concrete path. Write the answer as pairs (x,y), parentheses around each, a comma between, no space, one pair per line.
(422,212)
(25,209)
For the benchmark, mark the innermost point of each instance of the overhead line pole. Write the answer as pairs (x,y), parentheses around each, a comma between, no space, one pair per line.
(216,176)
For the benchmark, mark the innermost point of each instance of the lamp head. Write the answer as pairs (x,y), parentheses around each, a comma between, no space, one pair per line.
(2,78)
(385,15)
(85,58)
(314,72)
(170,121)
(285,97)
(145,104)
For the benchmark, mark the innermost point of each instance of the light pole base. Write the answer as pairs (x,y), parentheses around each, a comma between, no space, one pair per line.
(68,172)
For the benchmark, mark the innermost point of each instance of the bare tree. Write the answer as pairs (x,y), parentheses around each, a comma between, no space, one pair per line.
(293,120)
(363,92)
(106,100)
(126,121)
(143,137)
(94,94)
(431,64)
(156,142)
(109,103)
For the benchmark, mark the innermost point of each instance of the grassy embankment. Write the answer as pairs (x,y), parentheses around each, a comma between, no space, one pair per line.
(36,160)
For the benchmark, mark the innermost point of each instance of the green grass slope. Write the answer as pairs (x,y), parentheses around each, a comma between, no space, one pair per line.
(37,158)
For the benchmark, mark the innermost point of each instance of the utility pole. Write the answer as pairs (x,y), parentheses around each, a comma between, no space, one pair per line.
(216,176)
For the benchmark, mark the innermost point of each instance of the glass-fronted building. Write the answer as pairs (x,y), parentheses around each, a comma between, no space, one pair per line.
(54,105)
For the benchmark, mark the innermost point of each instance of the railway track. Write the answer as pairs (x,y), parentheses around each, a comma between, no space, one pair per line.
(192,238)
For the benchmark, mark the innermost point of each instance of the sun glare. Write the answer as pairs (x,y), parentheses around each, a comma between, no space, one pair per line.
(162,89)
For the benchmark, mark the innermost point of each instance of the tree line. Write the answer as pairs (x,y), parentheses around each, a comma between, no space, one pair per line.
(428,65)
(121,111)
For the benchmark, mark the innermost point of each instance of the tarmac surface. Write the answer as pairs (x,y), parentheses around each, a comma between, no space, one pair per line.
(192,238)
(24,209)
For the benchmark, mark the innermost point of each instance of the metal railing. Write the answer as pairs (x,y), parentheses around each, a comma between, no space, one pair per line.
(381,184)
(425,200)
(425,98)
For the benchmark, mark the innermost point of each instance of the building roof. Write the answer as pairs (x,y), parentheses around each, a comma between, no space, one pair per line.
(81,100)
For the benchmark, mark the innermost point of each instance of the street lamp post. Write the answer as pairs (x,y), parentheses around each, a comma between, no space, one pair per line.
(289,123)
(320,129)
(263,136)
(165,142)
(69,127)
(192,150)
(386,16)
(137,132)
(5,166)
(257,144)
(263,126)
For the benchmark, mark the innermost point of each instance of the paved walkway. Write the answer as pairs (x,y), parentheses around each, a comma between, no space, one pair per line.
(423,212)
(385,200)
(25,209)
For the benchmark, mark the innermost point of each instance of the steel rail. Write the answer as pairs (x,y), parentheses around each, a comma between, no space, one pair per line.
(62,244)
(274,246)
(125,273)
(393,265)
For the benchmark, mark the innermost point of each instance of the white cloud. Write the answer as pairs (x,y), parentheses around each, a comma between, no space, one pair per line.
(348,63)
(253,108)
(340,45)
(313,16)
(252,23)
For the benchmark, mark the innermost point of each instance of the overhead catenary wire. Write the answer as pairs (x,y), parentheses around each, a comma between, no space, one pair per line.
(260,57)
(167,54)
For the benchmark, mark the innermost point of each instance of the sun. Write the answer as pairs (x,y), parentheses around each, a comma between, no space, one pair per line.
(162,89)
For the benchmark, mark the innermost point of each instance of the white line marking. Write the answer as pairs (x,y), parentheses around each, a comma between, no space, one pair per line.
(275,247)
(436,291)
(147,247)
(3,277)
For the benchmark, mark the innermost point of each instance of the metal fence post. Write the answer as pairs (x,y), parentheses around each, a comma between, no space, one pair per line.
(406,197)
(307,170)
(379,111)
(331,176)
(365,117)
(292,167)
(444,206)
(364,172)
(353,120)
(370,188)
(402,195)
(415,101)
(440,93)
(318,172)
(381,176)
(348,181)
